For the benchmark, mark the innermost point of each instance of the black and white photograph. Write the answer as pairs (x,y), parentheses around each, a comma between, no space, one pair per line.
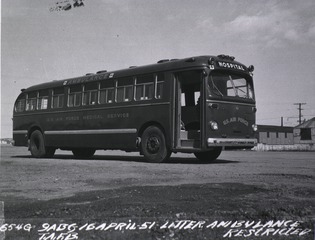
(157,119)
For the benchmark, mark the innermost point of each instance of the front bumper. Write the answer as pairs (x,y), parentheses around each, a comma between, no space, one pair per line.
(232,142)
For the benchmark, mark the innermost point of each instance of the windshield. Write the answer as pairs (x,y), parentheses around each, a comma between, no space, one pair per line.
(230,85)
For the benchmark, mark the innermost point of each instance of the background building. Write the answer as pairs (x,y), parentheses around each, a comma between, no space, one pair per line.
(275,135)
(304,134)
(277,138)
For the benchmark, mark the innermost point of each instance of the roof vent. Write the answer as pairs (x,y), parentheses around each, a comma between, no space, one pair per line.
(102,71)
(132,66)
(174,59)
(231,58)
(89,74)
(191,59)
(163,60)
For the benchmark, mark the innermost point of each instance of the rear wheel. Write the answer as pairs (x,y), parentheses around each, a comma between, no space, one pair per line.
(153,145)
(210,155)
(83,152)
(37,146)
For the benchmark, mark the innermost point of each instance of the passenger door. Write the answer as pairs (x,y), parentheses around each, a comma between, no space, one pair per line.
(188,109)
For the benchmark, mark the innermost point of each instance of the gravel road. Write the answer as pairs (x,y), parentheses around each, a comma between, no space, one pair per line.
(153,201)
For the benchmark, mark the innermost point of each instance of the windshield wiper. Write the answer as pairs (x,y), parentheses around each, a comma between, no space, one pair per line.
(218,93)
(233,85)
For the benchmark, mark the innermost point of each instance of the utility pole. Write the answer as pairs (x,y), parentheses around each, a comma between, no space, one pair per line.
(281,121)
(300,111)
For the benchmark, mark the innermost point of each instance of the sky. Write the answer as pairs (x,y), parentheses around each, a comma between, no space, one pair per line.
(40,44)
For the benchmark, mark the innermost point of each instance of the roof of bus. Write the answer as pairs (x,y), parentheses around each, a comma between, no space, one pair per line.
(162,65)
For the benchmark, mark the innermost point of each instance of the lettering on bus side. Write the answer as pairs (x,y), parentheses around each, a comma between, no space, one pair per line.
(92,117)
(72,118)
(85,79)
(118,115)
(58,119)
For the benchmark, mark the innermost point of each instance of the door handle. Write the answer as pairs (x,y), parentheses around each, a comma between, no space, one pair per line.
(213,105)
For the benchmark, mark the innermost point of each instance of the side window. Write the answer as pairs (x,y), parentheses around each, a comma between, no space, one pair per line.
(20,104)
(58,97)
(42,101)
(75,96)
(124,90)
(144,87)
(31,101)
(159,86)
(107,92)
(90,94)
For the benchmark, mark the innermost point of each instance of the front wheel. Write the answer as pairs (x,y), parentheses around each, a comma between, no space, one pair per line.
(153,145)
(37,146)
(83,152)
(210,155)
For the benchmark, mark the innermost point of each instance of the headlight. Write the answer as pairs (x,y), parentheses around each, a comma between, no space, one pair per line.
(213,125)
(255,128)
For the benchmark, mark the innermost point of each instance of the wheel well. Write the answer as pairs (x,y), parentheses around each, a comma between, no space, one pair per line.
(32,129)
(152,123)
(148,124)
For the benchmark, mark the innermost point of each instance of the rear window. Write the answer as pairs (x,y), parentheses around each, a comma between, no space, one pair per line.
(20,104)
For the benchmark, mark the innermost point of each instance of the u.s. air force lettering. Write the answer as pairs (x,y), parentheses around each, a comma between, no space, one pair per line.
(235,119)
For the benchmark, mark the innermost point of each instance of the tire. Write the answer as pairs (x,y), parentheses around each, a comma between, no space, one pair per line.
(83,152)
(37,146)
(153,145)
(209,156)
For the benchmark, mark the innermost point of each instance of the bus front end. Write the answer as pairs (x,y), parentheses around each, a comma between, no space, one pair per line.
(230,106)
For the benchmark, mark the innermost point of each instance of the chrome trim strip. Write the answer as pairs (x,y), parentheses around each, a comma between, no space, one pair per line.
(91,131)
(19,131)
(231,142)
(230,102)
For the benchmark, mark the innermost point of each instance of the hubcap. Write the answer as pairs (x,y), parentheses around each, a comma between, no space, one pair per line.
(153,144)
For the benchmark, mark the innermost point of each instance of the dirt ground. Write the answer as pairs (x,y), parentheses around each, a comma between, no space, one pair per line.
(117,195)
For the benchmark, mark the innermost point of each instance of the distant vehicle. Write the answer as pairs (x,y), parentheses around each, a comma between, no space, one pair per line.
(195,105)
